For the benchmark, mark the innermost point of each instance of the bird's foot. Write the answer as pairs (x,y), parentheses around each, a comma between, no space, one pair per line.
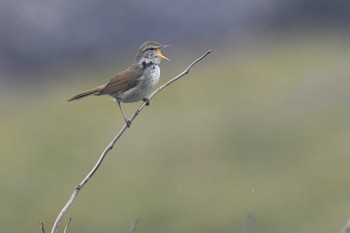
(128,123)
(147,101)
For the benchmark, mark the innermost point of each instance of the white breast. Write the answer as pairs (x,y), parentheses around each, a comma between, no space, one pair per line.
(149,79)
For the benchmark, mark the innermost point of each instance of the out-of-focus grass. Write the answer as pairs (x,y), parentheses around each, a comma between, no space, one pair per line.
(260,127)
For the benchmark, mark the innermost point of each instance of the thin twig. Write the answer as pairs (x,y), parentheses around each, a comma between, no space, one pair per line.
(42,227)
(249,223)
(133,226)
(115,139)
(67,225)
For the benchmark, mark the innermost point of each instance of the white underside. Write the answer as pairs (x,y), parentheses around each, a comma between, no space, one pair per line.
(143,88)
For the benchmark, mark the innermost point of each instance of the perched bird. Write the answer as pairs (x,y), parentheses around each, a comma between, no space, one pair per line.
(134,83)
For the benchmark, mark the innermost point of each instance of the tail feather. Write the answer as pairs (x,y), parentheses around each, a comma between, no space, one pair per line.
(95,91)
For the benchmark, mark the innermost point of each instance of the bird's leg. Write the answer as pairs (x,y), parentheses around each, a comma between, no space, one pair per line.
(127,122)
(146,100)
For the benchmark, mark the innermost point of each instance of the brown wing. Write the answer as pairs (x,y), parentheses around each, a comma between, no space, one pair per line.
(123,81)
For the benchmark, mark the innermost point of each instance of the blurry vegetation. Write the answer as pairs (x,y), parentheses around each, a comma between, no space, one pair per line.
(261,125)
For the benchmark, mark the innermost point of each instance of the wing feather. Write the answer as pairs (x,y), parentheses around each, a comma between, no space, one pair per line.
(123,81)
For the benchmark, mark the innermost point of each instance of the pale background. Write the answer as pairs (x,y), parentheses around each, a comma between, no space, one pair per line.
(261,125)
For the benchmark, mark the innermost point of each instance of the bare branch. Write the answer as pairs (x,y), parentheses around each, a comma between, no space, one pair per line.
(133,226)
(115,139)
(346,228)
(42,227)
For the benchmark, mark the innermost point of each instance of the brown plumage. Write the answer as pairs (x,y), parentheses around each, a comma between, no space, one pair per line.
(95,91)
(134,83)
(122,81)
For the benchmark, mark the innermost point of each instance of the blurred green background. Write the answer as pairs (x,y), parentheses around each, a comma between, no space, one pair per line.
(261,125)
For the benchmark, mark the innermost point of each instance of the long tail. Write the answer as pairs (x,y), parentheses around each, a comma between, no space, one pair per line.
(95,91)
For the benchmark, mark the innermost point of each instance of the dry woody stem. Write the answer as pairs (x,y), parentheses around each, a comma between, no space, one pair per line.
(111,144)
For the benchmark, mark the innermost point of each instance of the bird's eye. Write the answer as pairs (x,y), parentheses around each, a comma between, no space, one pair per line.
(152,49)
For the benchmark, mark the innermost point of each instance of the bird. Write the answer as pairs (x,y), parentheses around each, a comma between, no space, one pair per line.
(134,83)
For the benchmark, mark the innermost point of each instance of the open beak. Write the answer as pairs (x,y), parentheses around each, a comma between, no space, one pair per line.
(159,53)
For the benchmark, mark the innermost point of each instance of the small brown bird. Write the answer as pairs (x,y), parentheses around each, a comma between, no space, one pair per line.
(134,83)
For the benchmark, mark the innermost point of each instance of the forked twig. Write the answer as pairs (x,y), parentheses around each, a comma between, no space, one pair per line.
(115,139)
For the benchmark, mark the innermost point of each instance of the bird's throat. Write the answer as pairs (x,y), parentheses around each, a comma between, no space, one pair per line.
(148,64)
